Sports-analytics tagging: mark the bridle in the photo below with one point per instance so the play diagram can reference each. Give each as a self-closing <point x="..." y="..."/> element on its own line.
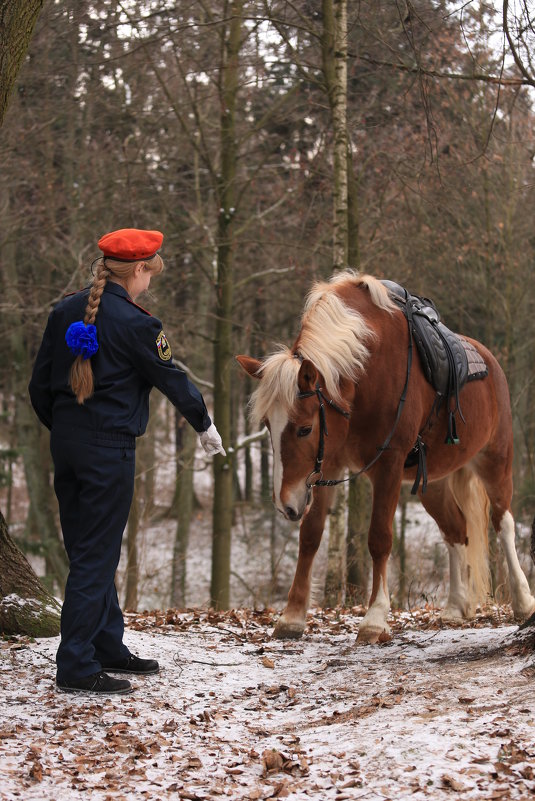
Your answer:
<point x="318" y="391"/>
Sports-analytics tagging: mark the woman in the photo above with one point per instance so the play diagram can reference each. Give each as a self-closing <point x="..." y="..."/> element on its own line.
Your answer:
<point x="100" y="356"/>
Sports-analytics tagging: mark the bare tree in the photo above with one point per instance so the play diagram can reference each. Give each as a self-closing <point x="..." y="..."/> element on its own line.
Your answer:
<point x="25" y="606"/>
<point x="334" y="51"/>
<point x="519" y="29"/>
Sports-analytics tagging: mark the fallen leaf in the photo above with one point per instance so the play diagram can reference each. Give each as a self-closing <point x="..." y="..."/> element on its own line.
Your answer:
<point x="452" y="783"/>
<point x="36" y="771"/>
<point x="272" y="760"/>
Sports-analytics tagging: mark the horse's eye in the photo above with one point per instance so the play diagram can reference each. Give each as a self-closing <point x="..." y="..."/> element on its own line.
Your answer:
<point x="304" y="431"/>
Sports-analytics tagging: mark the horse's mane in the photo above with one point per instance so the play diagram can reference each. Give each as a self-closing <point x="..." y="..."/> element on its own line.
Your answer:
<point x="333" y="337"/>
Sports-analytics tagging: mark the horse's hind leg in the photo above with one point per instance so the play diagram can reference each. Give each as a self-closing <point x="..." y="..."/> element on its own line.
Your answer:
<point x="459" y="505"/>
<point x="496" y="475"/>
<point x="292" y="622"/>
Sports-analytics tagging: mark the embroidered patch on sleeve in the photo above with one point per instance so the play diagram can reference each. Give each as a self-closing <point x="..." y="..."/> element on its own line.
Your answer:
<point x="164" y="348"/>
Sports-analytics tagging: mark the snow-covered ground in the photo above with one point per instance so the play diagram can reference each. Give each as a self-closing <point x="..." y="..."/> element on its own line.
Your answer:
<point x="436" y="713"/>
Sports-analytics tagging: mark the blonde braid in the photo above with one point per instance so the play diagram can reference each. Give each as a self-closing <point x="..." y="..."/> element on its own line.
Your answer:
<point x="81" y="375"/>
<point x="95" y="294"/>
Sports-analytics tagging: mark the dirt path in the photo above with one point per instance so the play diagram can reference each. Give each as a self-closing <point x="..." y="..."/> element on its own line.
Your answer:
<point x="436" y="713"/>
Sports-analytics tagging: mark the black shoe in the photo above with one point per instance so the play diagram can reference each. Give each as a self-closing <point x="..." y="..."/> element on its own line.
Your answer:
<point x="133" y="664"/>
<point x="96" y="683"/>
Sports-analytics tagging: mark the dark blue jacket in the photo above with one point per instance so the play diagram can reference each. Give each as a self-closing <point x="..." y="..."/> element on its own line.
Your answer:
<point x="133" y="357"/>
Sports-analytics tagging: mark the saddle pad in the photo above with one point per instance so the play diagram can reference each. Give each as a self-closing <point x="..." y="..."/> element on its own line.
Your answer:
<point x="477" y="367"/>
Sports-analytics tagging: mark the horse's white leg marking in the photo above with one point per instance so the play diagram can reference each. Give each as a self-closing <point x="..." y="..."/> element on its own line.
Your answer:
<point x="277" y="423"/>
<point x="521" y="598"/>
<point x="295" y="497"/>
<point x="374" y="621"/>
<point x="458" y="603"/>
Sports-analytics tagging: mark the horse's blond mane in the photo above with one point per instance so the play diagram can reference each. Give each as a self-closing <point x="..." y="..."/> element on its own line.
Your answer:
<point x="333" y="337"/>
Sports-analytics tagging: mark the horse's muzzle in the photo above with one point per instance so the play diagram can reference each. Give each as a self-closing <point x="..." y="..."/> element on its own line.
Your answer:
<point x="295" y="513"/>
<point x="292" y="514"/>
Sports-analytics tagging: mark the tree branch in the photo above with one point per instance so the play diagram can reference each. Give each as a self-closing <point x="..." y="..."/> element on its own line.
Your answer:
<point x="529" y="79"/>
<point x="457" y="76"/>
<point x="249" y="439"/>
<point x="261" y="274"/>
<point x="192" y="375"/>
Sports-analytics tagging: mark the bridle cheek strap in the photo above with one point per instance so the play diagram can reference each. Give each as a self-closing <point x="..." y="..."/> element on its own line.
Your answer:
<point x="318" y="391"/>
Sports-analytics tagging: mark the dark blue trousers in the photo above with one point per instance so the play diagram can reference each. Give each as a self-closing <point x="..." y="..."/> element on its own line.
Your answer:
<point x="94" y="486"/>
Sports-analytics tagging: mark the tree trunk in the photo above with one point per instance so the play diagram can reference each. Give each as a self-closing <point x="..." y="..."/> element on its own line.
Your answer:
<point x="142" y="505"/>
<point x="132" y="565"/>
<point x="25" y="605"/>
<point x="186" y="444"/>
<point x="335" y="580"/>
<point x="34" y="446"/>
<point x="335" y="68"/>
<point x="247" y="457"/>
<point x="33" y="439"/>
<point x="401" y="551"/>
<point x="359" y="494"/>
<point x="17" y="21"/>
<point x="334" y="51"/>
<point x="358" y="557"/>
<point x="265" y="475"/>
<point x="223" y="351"/>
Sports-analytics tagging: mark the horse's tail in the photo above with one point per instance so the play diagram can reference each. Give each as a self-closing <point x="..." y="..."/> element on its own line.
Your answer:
<point x="472" y="499"/>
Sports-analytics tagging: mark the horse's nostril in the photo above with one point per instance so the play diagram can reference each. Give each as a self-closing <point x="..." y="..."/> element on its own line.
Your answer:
<point x="291" y="513"/>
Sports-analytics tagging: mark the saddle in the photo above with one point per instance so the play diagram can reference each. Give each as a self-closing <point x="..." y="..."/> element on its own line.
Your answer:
<point x="448" y="361"/>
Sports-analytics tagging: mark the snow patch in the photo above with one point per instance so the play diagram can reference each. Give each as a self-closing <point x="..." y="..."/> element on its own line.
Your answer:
<point x="235" y="714"/>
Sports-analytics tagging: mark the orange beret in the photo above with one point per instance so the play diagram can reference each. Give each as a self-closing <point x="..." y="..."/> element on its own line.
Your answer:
<point x="130" y="244"/>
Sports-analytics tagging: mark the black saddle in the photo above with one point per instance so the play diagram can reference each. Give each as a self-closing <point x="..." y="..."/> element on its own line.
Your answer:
<point x="442" y="354"/>
<point x="448" y="362"/>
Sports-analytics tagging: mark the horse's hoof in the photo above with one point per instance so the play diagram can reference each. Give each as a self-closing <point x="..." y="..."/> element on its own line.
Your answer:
<point x="371" y="635"/>
<point x="288" y="631"/>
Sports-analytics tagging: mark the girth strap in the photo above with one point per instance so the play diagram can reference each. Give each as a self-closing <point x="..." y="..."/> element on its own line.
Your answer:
<point x="421" y="472"/>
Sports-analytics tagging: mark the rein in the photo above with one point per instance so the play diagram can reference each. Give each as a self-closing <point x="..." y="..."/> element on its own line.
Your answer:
<point x="318" y="391"/>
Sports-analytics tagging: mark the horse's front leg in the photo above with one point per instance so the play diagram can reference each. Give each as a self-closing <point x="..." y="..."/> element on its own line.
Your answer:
<point x="386" y="487"/>
<point x="292" y="622"/>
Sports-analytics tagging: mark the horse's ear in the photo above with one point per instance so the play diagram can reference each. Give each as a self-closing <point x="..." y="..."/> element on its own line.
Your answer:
<point x="250" y="365"/>
<point x="307" y="377"/>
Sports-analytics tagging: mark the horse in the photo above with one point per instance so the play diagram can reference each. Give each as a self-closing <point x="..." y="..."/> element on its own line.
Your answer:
<point x="344" y="397"/>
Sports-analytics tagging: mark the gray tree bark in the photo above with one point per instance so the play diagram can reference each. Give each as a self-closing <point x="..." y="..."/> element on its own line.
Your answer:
<point x="334" y="51"/>
<point x="17" y="22"/>
<point x="186" y="444"/>
<point x="223" y="351"/>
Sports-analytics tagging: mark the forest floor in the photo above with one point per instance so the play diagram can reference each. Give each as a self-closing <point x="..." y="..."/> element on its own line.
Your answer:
<point x="438" y="712"/>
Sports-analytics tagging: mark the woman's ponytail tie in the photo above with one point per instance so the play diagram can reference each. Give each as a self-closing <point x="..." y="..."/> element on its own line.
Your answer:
<point x="82" y="339"/>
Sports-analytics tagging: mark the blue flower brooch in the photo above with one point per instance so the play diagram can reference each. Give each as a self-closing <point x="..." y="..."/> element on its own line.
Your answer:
<point x="82" y="339"/>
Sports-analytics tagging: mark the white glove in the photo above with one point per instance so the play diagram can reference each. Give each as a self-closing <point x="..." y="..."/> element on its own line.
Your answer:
<point x="211" y="441"/>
